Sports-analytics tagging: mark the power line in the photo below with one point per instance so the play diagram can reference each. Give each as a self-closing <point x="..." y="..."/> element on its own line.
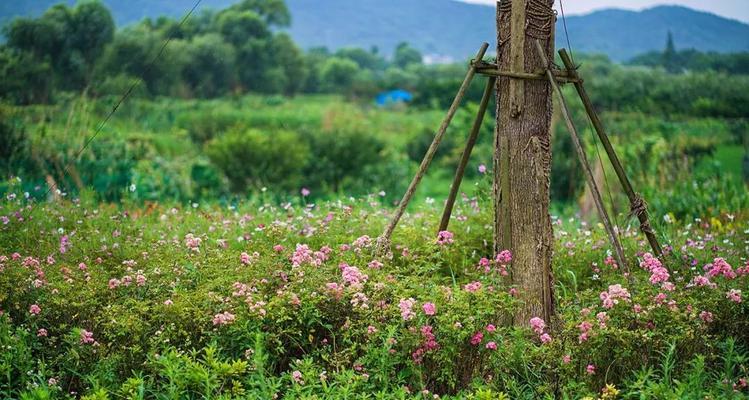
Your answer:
<point x="566" y="33"/>
<point x="117" y="105"/>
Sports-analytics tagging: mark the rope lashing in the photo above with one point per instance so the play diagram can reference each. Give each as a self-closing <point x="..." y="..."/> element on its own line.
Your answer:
<point x="640" y="208"/>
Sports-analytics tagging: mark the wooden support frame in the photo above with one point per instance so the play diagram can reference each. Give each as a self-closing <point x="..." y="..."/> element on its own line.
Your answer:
<point x="555" y="77"/>
<point x="472" y="137"/>
<point x="613" y="237"/>
<point x="637" y="204"/>
<point x="384" y="239"/>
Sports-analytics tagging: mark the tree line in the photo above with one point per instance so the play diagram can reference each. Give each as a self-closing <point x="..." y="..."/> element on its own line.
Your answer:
<point x="240" y="49"/>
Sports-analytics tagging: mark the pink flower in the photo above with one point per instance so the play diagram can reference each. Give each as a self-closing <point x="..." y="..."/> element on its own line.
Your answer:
<point x="734" y="295"/>
<point x="82" y="266"/>
<point x="504" y="257"/>
<point x="41" y="332"/>
<point x="297" y="375"/>
<point x="335" y="290"/>
<point x="224" y="318"/>
<point x="429" y="308"/>
<point x="566" y="359"/>
<point x="473" y="287"/>
<point x="352" y="276"/>
<point x="244" y="258"/>
<point x="491" y="346"/>
<point x="706" y="316"/>
<point x="371" y="330"/>
<point x="35" y="309"/>
<point x="585" y="328"/>
<point x="362" y="242"/>
<point x="192" y="242"/>
<point x="405" y="306"/>
<point x="538" y="325"/>
<point x="374" y="264"/>
<point x="658" y="273"/>
<point x="482" y="169"/>
<point x="491" y="328"/>
<point x="545" y="338"/>
<point x="278" y="248"/>
<point x="444" y="238"/>
<point x="114" y="283"/>
<point x="168" y="302"/>
<point x="64" y="244"/>
<point x="86" y="337"/>
<point x="140" y="279"/>
<point x="719" y="266"/>
<point x="701" y="281"/>
<point x="484" y="265"/>
<point x="613" y="295"/>
<point x="305" y="192"/>
<point x="477" y="338"/>
<point x="590" y="369"/>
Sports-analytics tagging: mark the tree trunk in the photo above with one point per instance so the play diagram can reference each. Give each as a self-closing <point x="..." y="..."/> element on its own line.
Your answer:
<point x="523" y="146"/>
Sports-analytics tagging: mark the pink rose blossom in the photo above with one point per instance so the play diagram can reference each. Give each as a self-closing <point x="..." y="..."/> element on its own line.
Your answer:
<point x="35" y="309"/>
<point x="429" y="308"/>
<point x="491" y="346"/>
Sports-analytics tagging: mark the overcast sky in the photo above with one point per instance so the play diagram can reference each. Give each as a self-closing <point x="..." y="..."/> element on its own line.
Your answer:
<point x="736" y="9"/>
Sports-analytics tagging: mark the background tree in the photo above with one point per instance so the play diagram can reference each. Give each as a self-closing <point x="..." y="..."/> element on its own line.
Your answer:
<point x="338" y="73"/>
<point x="670" y="58"/>
<point x="406" y="55"/>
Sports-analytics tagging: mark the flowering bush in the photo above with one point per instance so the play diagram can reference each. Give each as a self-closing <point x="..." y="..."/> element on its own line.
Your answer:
<point x="258" y="301"/>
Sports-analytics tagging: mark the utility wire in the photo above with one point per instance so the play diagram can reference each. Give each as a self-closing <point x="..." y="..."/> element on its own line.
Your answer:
<point x="566" y="33"/>
<point x="117" y="105"/>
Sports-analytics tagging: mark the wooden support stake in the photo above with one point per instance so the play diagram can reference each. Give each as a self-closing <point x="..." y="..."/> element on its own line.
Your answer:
<point x="490" y="83"/>
<point x="491" y="70"/>
<point x="637" y="204"/>
<point x="384" y="239"/>
<point x="618" y="250"/>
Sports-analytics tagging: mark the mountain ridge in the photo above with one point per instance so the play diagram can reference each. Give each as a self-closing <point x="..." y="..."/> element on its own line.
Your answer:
<point x="448" y="29"/>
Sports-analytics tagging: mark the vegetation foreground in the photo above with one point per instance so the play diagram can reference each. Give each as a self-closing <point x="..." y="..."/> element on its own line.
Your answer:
<point x="260" y="301"/>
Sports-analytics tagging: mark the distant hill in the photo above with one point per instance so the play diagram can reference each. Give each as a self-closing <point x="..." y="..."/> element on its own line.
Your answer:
<point x="451" y="29"/>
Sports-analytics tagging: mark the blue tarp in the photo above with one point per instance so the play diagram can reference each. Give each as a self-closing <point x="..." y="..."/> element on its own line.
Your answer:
<point x="393" y="97"/>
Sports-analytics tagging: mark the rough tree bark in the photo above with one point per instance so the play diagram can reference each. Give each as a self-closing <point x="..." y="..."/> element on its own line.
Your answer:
<point x="522" y="158"/>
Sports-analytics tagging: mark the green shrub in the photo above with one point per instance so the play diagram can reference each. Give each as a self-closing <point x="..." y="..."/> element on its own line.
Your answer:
<point x="204" y="125"/>
<point x="254" y="159"/>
